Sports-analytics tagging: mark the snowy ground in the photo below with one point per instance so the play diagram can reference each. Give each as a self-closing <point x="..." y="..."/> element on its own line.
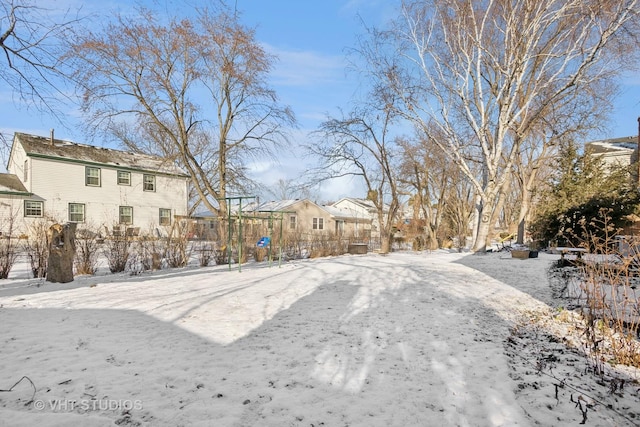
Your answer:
<point x="408" y="339"/>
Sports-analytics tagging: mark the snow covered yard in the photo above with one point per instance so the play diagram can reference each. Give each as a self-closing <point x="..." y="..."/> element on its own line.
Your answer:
<point x="408" y="339"/>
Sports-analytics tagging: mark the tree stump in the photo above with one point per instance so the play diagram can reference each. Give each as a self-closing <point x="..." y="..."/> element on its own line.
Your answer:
<point x="62" y="251"/>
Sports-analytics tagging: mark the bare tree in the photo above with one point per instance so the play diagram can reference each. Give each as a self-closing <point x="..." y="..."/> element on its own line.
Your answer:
<point x="433" y="181"/>
<point x="195" y="88"/>
<point x="479" y="78"/>
<point x="9" y="247"/>
<point x="360" y="145"/>
<point x="286" y="189"/>
<point x="32" y="44"/>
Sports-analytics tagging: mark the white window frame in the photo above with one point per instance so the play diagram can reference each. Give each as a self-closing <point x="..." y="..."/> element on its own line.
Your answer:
<point x="167" y="218"/>
<point x="72" y="213"/>
<point x="293" y="222"/>
<point x="88" y="176"/>
<point x="124" y="173"/>
<point x="318" y="223"/>
<point x="122" y="215"/>
<point x="29" y="210"/>
<point x="151" y="185"/>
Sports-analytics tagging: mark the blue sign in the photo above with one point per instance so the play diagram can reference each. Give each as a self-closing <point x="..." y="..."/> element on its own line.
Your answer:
<point x="264" y="241"/>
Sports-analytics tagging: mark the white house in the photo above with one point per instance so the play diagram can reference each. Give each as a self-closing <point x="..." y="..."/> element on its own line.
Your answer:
<point x="615" y="152"/>
<point x="101" y="188"/>
<point x="361" y="209"/>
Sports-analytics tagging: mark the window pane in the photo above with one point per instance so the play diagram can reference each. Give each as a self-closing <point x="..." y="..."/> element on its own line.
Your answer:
<point x="318" y="223"/>
<point x="126" y="215"/>
<point x="33" y="208"/>
<point x="76" y="212"/>
<point x="149" y="182"/>
<point x="92" y="176"/>
<point x="124" y="178"/>
<point x="165" y="216"/>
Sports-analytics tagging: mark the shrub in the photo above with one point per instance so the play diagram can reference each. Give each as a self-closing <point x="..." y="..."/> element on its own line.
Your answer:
<point x="37" y="247"/>
<point x="87" y="248"/>
<point x="177" y="251"/>
<point x="205" y="253"/>
<point x="116" y="250"/>
<point x="8" y="247"/>
<point x="611" y="309"/>
<point x="8" y="256"/>
<point x="580" y="224"/>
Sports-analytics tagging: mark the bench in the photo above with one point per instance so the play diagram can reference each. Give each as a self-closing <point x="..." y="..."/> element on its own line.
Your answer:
<point x="570" y="251"/>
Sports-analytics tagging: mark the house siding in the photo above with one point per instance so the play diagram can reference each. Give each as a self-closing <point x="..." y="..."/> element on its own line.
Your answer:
<point x="16" y="165"/>
<point x="369" y="223"/>
<point x="12" y="219"/>
<point x="58" y="182"/>
<point x="305" y="211"/>
<point x="65" y="183"/>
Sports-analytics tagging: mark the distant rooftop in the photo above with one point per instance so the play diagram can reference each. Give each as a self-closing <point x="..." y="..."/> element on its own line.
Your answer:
<point x="625" y="143"/>
<point x="39" y="146"/>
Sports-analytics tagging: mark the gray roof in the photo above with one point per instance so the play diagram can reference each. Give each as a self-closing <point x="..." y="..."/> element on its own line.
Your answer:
<point x="10" y="183"/>
<point x="623" y="144"/>
<point x="39" y="146"/>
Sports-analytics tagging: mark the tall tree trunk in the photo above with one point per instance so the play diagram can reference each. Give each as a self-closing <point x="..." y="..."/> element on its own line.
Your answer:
<point x="523" y="215"/>
<point x="484" y="226"/>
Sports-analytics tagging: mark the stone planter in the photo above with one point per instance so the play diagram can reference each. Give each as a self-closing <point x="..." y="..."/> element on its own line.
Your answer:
<point x="520" y="254"/>
<point x="358" y="248"/>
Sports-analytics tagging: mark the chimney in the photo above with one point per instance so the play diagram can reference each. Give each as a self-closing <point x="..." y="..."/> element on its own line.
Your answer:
<point x="52" y="137"/>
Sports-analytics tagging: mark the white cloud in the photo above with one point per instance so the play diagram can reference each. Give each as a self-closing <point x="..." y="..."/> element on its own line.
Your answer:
<point x="305" y="68"/>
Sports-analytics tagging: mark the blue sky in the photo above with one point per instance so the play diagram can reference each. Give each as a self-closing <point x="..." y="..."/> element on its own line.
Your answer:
<point x="309" y="37"/>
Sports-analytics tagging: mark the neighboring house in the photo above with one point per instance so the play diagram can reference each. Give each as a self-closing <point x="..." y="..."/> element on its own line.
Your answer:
<point x="361" y="209"/>
<point x="106" y="190"/>
<point x="12" y="196"/>
<point x="307" y="217"/>
<point x="616" y="152"/>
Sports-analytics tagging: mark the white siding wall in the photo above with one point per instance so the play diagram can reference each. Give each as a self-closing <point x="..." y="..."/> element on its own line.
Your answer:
<point x="61" y="183"/>
<point x="361" y="212"/>
<point x="616" y="160"/>
<point x="16" y="164"/>
<point x="11" y="215"/>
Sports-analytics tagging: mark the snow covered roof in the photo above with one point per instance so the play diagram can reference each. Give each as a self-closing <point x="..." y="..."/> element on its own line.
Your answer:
<point x="337" y="213"/>
<point x="38" y="146"/>
<point x="364" y="203"/>
<point x="272" y="206"/>
<point x="623" y="144"/>
<point x="10" y="183"/>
